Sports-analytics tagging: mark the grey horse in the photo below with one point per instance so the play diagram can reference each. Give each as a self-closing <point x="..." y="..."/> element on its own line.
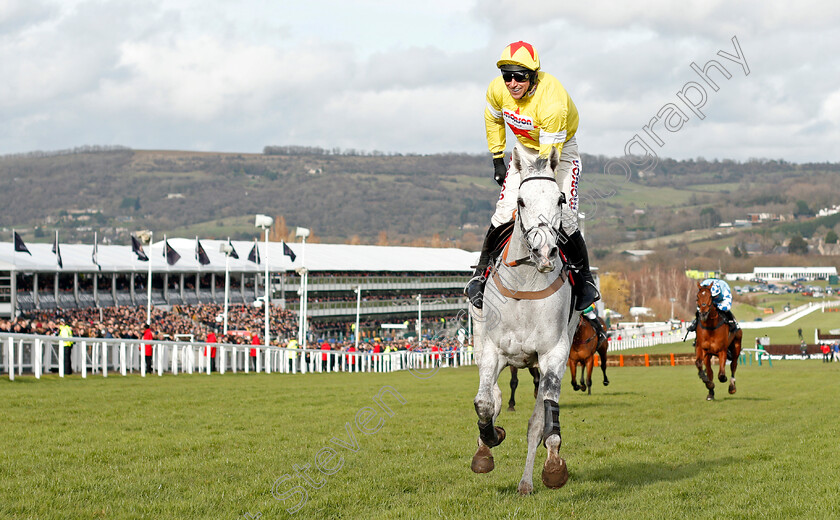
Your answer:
<point x="527" y="320"/>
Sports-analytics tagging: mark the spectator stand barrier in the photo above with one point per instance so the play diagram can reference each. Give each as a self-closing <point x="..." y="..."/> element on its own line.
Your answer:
<point x="41" y="354"/>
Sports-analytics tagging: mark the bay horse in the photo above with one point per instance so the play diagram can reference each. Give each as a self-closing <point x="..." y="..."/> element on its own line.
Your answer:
<point x="584" y="347"/>
<point x="527" y="320"/>
<point x="713" y="338"/>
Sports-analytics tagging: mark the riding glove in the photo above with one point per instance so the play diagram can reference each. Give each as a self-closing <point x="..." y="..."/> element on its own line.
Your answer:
<point x="500" y="170"/>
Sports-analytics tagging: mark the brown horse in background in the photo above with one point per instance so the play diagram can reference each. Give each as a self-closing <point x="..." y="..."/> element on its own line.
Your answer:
<point x="714" y="339"/>
<point x="584" y="345"/>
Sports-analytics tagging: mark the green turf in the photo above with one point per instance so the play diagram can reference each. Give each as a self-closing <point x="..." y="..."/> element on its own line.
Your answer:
<point x="197" y="446"/>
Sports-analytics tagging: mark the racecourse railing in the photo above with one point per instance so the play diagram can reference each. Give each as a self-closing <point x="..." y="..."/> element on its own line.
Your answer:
<point x="37" y="355"/>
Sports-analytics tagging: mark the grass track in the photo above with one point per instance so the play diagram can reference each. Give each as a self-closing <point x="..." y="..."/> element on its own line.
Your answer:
<point x="647" y="446"/>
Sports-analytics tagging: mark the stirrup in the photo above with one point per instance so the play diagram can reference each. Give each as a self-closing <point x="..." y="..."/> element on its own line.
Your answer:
<point x="475" y="291"/>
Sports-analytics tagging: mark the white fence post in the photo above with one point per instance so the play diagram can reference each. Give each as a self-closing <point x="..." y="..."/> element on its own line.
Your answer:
<point x="84" y="359"/>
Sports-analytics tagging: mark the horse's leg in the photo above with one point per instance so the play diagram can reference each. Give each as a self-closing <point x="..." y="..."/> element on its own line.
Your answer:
<point x="488" y="404"/>
<point x="573" y="374"/>
<point x="583" y="376"/>
<point x="534" y="435"/>
<point x="734" y="363"/>
<point x="554" y="474"/>
<point x="514" y="382"/>
<point x="698" y="362"/>
<point x="535" y="373"/>
<point x="710" y="382"/>
<point x="602" y="353"/>
<point x="722" y="363"/>
<point x="590" y="364"/>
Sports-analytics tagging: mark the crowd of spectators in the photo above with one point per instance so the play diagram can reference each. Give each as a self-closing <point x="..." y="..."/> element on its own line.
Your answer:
<point x="196" y="322"/>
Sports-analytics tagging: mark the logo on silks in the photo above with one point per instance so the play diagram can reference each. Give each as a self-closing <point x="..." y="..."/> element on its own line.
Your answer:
<point x="519" y="124"/>
<point x="573" y="191"/>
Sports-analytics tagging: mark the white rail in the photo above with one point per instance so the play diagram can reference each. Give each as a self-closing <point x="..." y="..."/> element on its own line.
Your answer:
<point x="40" y="354"/>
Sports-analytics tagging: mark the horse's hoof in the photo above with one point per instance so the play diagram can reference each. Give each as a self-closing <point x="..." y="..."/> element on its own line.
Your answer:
<point x="710" y="397"/>
<point x="722" y="378"/>
<point x="482" y="461"/>
<point x="606" y="383"/>
<point x="555" y="474"/>
<point x="732" y="389"/>
<point x="511" y="409"/>
<point x="525" y="488"/>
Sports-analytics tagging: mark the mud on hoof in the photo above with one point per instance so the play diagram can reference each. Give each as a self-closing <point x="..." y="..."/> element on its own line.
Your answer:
<point x="511" y="408"/>
<point x="555" y="474"/>
<point x="482" y="461"/>
<point x="732" y="388"/>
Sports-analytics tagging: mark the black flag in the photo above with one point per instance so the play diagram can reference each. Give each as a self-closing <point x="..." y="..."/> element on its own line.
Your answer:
<point x="288" y="252"/>
<point x="170" y="254"/>
<point x="20" y="247"/>
<point x="233" y="253"/>
<point x="138" y="249"/>
<point x="254" y="256"/>
<point x="57" y="251"/>
<point x="200" y="253"/>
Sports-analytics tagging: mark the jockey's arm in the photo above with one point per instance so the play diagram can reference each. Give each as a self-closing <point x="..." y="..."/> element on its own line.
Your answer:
<point x="495" y="127"/>
<point x="552" y="123"/>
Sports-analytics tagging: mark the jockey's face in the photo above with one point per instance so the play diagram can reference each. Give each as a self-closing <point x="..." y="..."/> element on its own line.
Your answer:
<point x="516" y="88"/>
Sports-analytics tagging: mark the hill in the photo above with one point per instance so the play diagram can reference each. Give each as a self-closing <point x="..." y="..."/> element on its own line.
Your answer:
<point x="443" y="199"/>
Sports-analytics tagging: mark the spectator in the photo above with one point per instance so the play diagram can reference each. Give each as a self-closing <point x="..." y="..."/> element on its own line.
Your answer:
<point x="64" y="331"/>
<point x="149" y="348"/>
<point x="325" y="356"/>
<point x="211" y="340"/>
<point x="291" y="355"/>
<point x="255" y="340"/>
<point x="826" y="352"/>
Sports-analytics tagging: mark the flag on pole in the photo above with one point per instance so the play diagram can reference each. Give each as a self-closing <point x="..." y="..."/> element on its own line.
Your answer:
<point x="169" y="253"/>
<point x="138" y="249"/>
<point x="20" y="247"/>
<point x="94" y="256"/>
<point x="288" y="252"/>
<point x="200" y="253"/>
<point x="233" y="253"/>
<point x="57" y="251"/>
<point x="254" y="255"/>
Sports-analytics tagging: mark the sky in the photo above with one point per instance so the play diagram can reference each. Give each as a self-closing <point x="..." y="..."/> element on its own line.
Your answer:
<point x="410" y="77"/>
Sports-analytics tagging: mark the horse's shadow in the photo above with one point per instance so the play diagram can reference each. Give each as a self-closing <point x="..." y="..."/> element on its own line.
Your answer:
<point x="618" y="479"/>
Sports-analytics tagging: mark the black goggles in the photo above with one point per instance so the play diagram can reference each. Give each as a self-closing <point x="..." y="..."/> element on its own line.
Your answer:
<point x="520" y="77"/>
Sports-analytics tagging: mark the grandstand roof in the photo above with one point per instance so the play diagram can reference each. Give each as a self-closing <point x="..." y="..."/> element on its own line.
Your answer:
<point x="319" y="257"/>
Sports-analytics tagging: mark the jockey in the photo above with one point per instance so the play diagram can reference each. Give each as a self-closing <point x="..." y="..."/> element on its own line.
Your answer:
<point x="591" y="314"/>
<point x="722" y="298"/>
<point x="541" y="115"/>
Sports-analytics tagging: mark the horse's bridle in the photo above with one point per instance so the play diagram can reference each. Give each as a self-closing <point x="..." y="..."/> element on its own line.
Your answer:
<point x="543" y="224"/>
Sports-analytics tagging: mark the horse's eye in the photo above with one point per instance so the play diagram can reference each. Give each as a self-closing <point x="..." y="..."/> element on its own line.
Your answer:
<point x="521" y="203"/>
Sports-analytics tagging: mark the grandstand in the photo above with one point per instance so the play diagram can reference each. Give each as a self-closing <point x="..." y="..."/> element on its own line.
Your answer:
<point x="390" y="278"/>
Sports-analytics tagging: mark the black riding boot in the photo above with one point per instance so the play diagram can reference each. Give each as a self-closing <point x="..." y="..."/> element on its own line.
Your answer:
<point x="693" y="326"/>
<point x="599" y="330"/>
<point x="730" y="319"/>
<point x="475" y="287"/>
<point x="577" y="258"/>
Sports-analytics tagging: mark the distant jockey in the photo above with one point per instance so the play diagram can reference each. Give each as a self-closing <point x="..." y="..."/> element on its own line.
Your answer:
<point x="591" y="314"/>
<point x="722" y="298"/>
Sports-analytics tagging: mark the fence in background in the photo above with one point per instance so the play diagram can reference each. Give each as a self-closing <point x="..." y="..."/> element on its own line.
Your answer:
<point x="35" y="354"/>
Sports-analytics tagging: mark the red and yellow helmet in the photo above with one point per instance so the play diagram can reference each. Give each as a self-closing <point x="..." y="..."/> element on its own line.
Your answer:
<point x="520" y="54"/>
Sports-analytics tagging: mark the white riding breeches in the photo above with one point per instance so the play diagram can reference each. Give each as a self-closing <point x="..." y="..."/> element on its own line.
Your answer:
<point x="568" y="177"/>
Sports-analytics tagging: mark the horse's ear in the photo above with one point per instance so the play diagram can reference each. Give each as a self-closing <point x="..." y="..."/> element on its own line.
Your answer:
<point x="516" y="159"/>
<point x="553" y="159"/>
<point x="698" y="284"/>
